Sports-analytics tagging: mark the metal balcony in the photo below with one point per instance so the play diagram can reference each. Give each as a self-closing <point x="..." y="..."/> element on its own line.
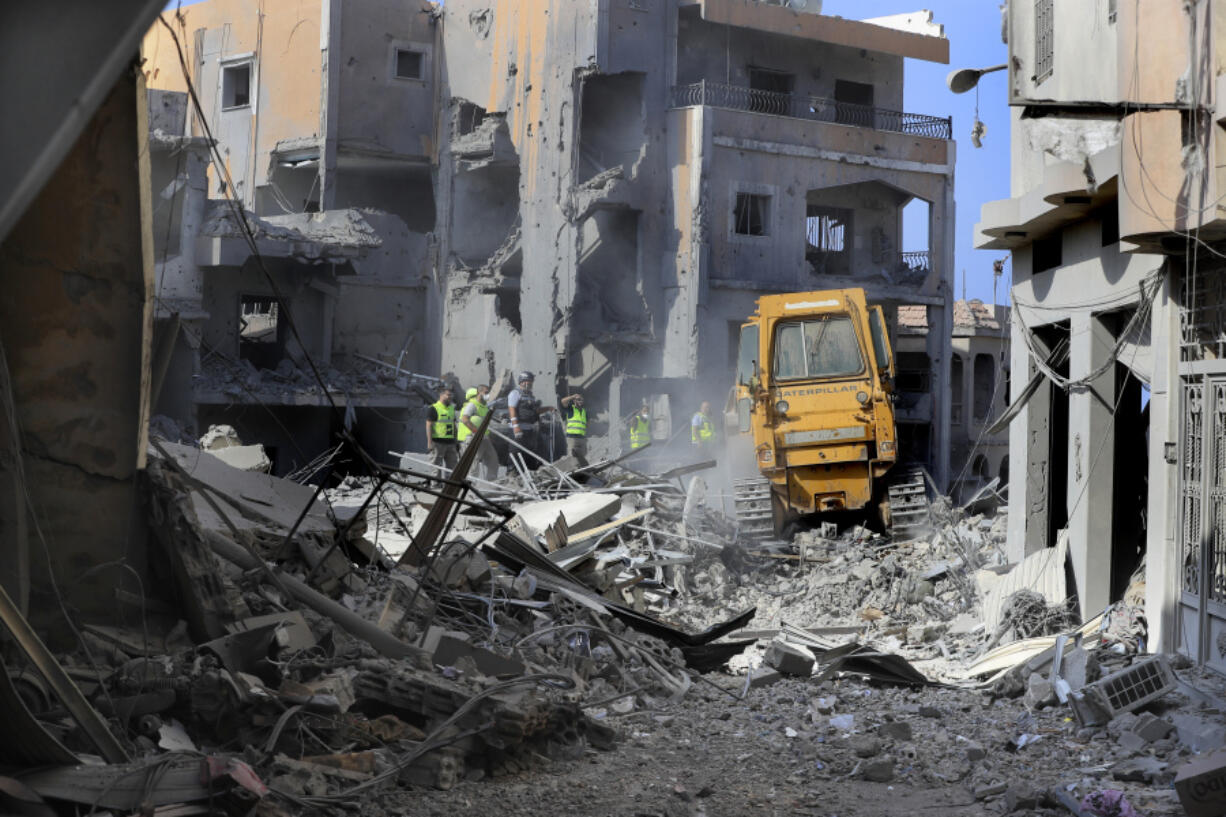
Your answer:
<point x="797" y="106"/>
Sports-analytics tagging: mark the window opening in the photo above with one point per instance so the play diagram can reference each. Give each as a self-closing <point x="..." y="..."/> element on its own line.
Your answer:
<point x="409" y="64"/>
<point x="955" y="388"/>
<point x="236" y="86"/>
<point x="751" y="214"/>
<point x="828" y="239"/>
<point x="853" y="103"/>
<point x="985" y="385"/>
<point x="261" y="336"/>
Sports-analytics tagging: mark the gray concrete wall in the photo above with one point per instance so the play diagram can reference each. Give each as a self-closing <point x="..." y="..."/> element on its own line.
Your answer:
<point x="378" y="110"/>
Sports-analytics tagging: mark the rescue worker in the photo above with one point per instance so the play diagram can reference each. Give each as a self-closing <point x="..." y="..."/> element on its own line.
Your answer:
<point x="474" y="410"/>
<point x="640" y="428"/>
<point x="441" y="431"/>
<point x="525" y="411"/>
<point x="576" y="426"/>
<point x="702" y="432"/>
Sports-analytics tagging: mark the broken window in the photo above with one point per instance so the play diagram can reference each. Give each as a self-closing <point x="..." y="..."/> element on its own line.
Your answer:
<point x="261" y="334"/>
<point x="236" y="86"/>
<point x="410" y="64"/>
<point x="1044" y="39"/>
<point x="955" y="390"/>
<point x="985" y="385"/>
<point x="825" y="347"/>
<point x="828" y="239"/>
<point x="751" y="214"/>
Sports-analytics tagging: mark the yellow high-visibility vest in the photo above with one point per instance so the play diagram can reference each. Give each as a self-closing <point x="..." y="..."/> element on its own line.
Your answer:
<point x="640" y="432"/>
<point x="480" y="410"/>
<point x="443" y="427"/>
<point x="576" y="423"/>
<point x="702" y="433"/>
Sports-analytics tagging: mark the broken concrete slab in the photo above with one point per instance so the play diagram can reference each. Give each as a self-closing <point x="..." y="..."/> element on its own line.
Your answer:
<point x="1201" y="786"/>
<point x="581" y="511"/>
<point x="1151" y="728"/>
<point x="259" y="501"/>
<point x="764" y="676"/>
<point x="1039" y="692"/>
<point x="244" y="457"/>
<point x="790" y="659"/>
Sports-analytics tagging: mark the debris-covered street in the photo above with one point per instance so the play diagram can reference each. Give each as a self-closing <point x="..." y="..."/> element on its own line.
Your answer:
<point x="598" y="640"/>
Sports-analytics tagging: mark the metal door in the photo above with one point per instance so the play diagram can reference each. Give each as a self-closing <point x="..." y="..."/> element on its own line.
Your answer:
<point x="1202" y="515"/>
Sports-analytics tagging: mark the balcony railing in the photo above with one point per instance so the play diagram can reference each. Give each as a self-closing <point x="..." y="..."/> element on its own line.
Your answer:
<point x="917" y="261"/>
<point x="798" y="106"/>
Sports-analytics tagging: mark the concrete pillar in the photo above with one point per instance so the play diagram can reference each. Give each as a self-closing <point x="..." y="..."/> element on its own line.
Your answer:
<point x="1163" y="569"/>
<point x="1028" y="452"/>
<point x="939" y="339"/>
<point x="329" y="107"/>
<point x="1091" y="461"/>
<point x="75" y="327"/>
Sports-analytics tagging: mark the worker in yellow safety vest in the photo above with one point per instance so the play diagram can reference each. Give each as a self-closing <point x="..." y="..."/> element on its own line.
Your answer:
<point x="576" y="426"/>
<point x="474" y="411"/>
<point x="702" y="432"/>
<point x="640" y="428"/>
<point x="441" y="431"/>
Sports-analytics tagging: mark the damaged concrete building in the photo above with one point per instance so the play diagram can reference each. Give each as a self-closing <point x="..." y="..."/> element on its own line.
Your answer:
<point x="322" y="116"/>
<point x="1119" y="311"/>
<point x="594" y="193"/>
<point x="622" y="180"/>
<point x="978" y="389"/>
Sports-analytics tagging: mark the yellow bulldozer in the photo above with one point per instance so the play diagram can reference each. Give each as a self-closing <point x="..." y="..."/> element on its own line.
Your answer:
<point x="814" y="399"/>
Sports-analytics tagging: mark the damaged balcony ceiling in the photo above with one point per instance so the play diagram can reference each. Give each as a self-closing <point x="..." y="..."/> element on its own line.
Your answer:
<point x="311" y="238"/>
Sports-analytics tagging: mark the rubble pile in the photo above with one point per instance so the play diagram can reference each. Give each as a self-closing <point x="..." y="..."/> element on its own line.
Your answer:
<point x="309" y="647"/>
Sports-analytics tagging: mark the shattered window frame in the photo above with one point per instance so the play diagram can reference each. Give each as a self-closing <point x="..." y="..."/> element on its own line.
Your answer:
<point x="751" y="214"/>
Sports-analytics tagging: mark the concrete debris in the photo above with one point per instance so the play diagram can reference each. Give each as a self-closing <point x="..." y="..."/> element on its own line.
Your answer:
<point x="1201" y="785"/>
<point x="789" y="659"/>
<point x="562" y="610"/>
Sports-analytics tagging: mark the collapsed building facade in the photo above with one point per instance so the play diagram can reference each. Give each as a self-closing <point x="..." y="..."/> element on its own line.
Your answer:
<point x="594" y="194"/>
<point x="322" y="117"/>
<point x="1118" y="330"/>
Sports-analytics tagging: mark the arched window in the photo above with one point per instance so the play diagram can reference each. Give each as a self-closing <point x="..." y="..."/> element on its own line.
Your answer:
<point x="985" y="383"/>
<point x="955" y="389"/>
